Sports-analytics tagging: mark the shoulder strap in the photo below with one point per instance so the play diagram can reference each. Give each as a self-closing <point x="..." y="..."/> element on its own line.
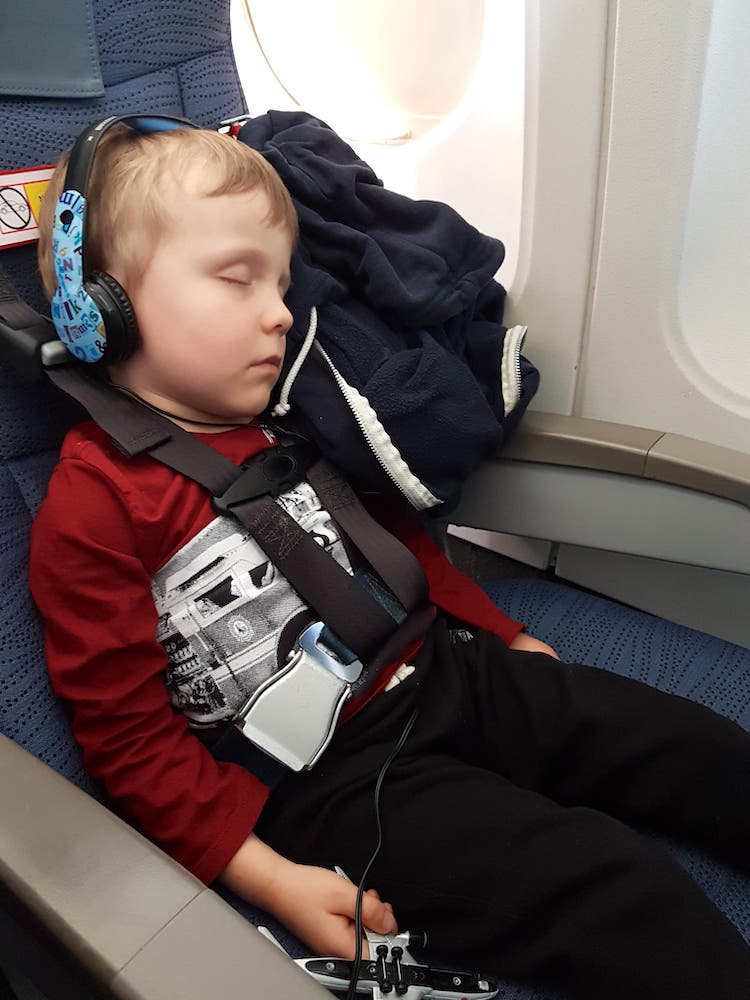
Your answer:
<point x="383" y="551"/>
<point x="357" y="618"/>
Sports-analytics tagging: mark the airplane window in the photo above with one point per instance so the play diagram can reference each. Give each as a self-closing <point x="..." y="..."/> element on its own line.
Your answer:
<point x="378" y="72"/>
<point x="714" y="291"/>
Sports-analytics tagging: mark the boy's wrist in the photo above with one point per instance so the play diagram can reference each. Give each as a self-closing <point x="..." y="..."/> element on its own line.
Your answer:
<point x="258" y="873"/>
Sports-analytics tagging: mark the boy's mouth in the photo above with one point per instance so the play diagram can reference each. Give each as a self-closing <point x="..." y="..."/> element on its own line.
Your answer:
<point x="273" y="361"/>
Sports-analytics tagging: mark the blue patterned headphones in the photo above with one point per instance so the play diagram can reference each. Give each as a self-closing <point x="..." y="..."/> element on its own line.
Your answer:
<point x="92" y="313"/>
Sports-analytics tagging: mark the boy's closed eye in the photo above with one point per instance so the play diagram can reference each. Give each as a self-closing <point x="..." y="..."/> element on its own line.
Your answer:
<point x="233" y="280"/>
<point x="235" y="272"/>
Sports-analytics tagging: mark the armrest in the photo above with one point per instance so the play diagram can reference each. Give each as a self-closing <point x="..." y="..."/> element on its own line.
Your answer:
<point x="138" y="924"/>
<point x="672" y="459"/>
<point x="614" y="488"/>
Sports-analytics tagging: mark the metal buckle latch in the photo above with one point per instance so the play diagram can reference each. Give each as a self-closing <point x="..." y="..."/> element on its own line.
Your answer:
<point x="292" y="716"/>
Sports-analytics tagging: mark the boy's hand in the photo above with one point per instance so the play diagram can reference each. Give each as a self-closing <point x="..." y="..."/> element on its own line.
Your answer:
<point x="531" y="645"/>
<point x="318" y="906"/>
<point x="314" y="903"/>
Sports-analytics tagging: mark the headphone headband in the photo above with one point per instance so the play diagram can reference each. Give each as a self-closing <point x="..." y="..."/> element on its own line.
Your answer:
<point x="91" y="312"/>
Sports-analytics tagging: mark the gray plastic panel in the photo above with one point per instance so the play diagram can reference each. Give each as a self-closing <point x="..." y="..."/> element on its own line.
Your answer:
<point x="134" y="920"/>
<point x="607" y="511"/>
<point x="93" y="882"/>
<point x="635" y="451"/>
<point x="705" y="599"/>
<point x="700" y="466"/>
<point x="233" y="961"/>
<point x="589" y="444"/>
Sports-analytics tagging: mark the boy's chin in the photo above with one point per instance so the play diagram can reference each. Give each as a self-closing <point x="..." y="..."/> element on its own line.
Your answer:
<point x="243" y="410"/>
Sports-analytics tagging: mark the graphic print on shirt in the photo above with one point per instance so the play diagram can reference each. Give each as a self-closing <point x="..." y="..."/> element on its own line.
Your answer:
<point x="227" y="617"/>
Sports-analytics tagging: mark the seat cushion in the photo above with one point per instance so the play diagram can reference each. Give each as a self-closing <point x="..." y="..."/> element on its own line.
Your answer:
<point x="29" y="713"/>
<point x="584" y="628"/>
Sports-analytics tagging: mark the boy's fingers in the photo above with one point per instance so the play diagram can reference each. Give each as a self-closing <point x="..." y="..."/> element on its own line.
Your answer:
<point x="378" y="916"/>
<point x="376" y="894"/>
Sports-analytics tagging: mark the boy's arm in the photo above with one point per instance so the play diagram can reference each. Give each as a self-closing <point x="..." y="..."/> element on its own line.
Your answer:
<point x="314" y="903"/>
<point x="450" y="589"/>
<point x="104" y="660"/>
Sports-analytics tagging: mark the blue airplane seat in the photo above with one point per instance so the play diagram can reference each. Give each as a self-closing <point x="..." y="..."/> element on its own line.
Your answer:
<point x="164" y="56"/>
<point x="174" y="56"/>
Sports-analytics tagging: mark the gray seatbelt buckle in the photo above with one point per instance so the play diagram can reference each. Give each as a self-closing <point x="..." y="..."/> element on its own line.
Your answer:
<point x="292" y="716"/>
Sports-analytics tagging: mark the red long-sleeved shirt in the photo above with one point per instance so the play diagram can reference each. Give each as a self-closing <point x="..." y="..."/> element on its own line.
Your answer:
<point x="108" y="524"/>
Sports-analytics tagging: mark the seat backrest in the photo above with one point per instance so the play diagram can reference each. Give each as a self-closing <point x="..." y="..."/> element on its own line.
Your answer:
<point x="169" y="57"/>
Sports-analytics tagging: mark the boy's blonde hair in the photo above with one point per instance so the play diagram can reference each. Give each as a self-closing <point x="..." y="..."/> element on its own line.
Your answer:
<point x="129" y="204"/>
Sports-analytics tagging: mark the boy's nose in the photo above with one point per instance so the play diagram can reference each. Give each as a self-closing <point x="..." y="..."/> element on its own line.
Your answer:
<point x="278" y="317"/>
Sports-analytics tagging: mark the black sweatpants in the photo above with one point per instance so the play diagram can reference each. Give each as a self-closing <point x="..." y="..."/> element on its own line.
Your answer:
<point x="500" y="836"/>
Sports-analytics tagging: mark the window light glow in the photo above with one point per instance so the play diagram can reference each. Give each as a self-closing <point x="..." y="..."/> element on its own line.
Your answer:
<point x="377" y="72"/>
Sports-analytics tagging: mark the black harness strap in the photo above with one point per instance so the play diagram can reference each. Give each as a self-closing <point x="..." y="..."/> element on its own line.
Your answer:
<point x="357" y="618"/>
<point x="385" y="553"/>
<point x="135" y="429"/>
<point x="360" y="621"/>
<point x="23" y="332"/>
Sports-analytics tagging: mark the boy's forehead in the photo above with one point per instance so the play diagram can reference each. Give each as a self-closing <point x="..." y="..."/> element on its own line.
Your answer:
<point x="198" y="204"/>
<point x="190" y="183"/>
<point x="227" y="226"/>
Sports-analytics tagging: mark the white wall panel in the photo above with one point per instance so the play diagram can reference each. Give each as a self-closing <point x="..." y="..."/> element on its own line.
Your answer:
<point x="566" y="46"/>
<point x="667" y="345"/>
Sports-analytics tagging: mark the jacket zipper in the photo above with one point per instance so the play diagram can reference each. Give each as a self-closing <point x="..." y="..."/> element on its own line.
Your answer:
<point x="510" y="368"/>
<point x="380" y="443"/>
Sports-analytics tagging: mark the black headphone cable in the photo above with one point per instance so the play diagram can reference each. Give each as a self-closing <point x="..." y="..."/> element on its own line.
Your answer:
<point x="361" y="887"/>
<point x="176" y="416"/>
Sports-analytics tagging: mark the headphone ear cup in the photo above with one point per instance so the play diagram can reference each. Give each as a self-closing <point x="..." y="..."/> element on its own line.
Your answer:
<point x="118" y="315"/>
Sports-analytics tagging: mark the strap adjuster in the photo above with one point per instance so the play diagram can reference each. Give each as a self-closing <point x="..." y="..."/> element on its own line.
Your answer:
<point x="272" y="472"/>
